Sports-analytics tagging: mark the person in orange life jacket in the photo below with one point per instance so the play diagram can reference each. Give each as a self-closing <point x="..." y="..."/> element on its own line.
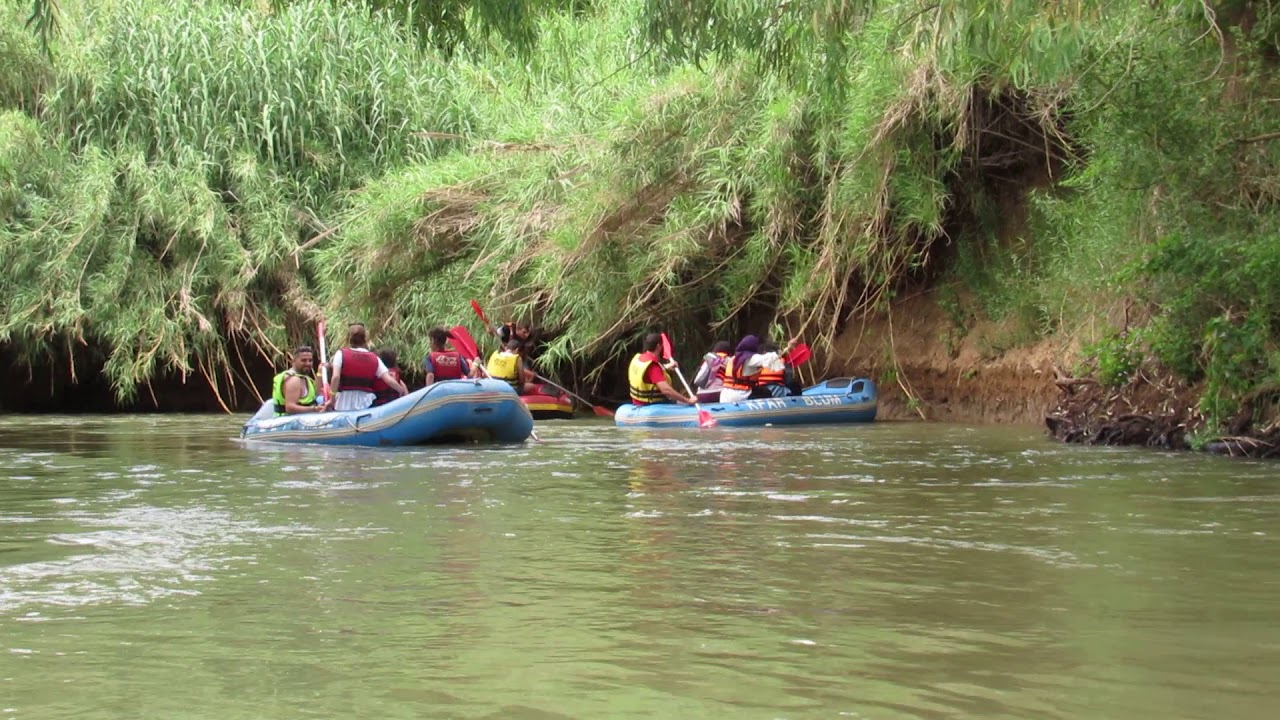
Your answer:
<point x="710" y="376"/>
<point x="647" y="377"/>
<point x="443" y="364"/>
<point x="741" y="372"/>
<point x="355" y="368"/>
<point x="771" y="381"/>
<point x="383" y="393"/>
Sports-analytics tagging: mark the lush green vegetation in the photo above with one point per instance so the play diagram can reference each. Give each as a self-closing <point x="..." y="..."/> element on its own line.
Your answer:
<point x="183" y="184"/>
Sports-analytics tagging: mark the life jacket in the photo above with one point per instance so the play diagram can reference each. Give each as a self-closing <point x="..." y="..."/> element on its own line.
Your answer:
<point x="715" y="379"/>
<point x="642" y="391"/>
<point x="733" y="377"/>
<point x="359" y="370"/>
<point x="771" y="377"/>
<point x="382" y="392"/>
<point x="277" y="390"/>
<point x="724" y="357"/>
<point x="447" y="365"/>
<point x="504" y="366"/>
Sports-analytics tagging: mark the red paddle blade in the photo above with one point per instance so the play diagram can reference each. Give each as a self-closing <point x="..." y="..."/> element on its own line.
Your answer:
<point x="666" y="347"/>
<point x="479" y="313"/>
<point x="602" y="411"/>
<point x="800" y="355"/>
<point x="463" y="343"/>
<point x="705" y="420"/>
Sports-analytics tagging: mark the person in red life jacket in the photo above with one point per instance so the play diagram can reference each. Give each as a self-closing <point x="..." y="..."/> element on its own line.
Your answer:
<point x="355" y="369"/>
<point x="442" y="363"/>
<point x="647" y="376"/>
<point x="710" y="376"/>
<point x="383" y="393"/>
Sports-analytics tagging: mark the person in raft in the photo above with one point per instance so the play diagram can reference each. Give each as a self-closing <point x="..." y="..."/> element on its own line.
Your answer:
<point x="294" y="390"/>
<point x="355" y="369"/>
<point x="383" y="393"/>
<point x="771" y="381"/>
<point x="647" y="376"/>
<point x="522" y="331"/>
<point x="507" y="364"/>
<point x="442" y="363"/>
<point x="710" y="376"/>
<point x="742" y="371"/>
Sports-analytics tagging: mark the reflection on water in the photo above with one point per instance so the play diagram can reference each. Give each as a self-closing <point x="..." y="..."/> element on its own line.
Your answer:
<point x="156" y="567"/>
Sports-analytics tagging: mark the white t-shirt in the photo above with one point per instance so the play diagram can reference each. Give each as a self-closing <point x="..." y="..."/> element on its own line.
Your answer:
<point x="771" y="360"/>
<point x="349" y="400"/>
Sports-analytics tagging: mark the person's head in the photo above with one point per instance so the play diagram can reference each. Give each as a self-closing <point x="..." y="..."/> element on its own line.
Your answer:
<point x="357" y="335"/>
<point x="747" y="346"/>
<point x="513" y="346"/>
<point x="439" y="336"/>
<point x="523" y="329"/>
<point x="652" y="343"/>
<point x="768" y="346"/>
<point x="721" y="346"/>
<point x="389" y="358"/>
<point x="302" y="359"/>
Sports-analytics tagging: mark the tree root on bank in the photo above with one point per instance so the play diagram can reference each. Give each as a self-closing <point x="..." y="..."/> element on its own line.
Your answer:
<point x="1160" y="413"/>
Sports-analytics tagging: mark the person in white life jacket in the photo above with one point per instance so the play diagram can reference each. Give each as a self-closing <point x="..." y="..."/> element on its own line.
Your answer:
<point x="294" y="390"/>
<point x="355" y="369"/>
<point x="442" y="363"/>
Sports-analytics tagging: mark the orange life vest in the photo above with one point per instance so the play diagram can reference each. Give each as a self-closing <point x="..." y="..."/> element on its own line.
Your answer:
<point x="771" y="377"/>
<point x="733" y="377"/>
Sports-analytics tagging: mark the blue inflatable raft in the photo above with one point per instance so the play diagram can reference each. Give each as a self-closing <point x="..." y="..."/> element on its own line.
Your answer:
<point x="448" y="411"/>
<point x="835" y="401"/>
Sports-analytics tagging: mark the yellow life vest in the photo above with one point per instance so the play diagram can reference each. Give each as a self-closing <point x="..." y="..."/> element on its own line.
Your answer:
<point x="277" y="390"/>
<point x="643" y="392"/>
<point x="504" y="366"/>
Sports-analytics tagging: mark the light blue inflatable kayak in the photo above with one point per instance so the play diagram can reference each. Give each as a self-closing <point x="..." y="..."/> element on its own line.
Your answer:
<point x="839" y="400"/>
<point x="448" y="411"/>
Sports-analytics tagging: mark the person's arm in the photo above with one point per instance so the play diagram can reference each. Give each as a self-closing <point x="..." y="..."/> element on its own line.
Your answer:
<point x="294" y="388"/>
<point x="672" y="395"/>
<point x="703" y="377"/>
<point x="335" y="382"/>
<point x="430" y="369"/>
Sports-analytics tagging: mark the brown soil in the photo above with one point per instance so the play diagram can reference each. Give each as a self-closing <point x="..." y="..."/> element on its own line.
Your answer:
<point x="940" y="375"/>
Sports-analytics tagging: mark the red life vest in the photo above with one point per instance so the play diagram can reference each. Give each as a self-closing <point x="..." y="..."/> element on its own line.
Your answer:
<point x="733" y="377"/>
<point x="359" y="370"/>
<point x="446" y="365"/>
<point x="382" y="392"/>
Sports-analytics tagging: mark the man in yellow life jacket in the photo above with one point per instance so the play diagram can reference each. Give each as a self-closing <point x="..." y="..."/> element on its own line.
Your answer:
<point x="506" y="364"/>
<point x="647" y="376"/>
<point x="294" y="391"/>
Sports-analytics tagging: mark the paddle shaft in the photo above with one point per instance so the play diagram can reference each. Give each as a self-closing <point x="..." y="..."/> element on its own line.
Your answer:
<point x="324" y="361"/>
<point x="573" y="394"/>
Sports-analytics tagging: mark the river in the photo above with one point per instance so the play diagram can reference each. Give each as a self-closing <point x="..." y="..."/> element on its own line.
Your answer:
<point x="154" y="567"/>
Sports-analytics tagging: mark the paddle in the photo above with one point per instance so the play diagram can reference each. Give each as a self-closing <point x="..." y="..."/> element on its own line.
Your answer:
<point x="799" y="355"/>
<point x="598" y="410"/>
<point x="466" y="347"/>
<point x="324" y="361"/>
<point x="601" y="411"/>
<point x="704" y="418"/>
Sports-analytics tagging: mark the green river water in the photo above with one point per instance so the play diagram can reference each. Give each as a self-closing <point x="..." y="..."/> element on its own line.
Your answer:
<point x="154" y="567"/>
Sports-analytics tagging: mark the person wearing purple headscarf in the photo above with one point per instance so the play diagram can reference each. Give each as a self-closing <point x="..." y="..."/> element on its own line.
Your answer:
<point x="740" y="371"/>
